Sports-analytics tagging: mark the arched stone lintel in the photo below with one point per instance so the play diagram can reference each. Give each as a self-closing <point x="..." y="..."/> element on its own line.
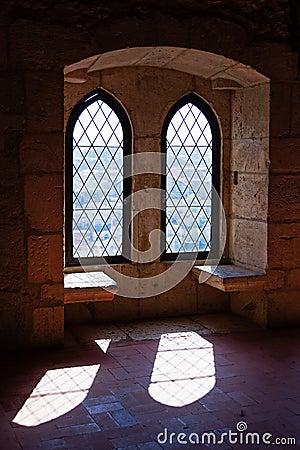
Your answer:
<point x="195" y="62"/>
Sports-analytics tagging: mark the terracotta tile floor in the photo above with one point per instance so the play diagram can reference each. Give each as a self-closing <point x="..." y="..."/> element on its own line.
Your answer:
<point x="130" y="386"/>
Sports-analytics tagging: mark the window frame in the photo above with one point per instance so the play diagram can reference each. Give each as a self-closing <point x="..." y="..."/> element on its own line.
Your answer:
<point x="118" y="109"/>
<point x="205" y="108"/>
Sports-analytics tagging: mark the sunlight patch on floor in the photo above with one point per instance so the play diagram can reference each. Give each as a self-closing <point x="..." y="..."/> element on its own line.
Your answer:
<point x="103" y="344"/>
<point x="58" y="392"/>
<point x="184" y="369"/>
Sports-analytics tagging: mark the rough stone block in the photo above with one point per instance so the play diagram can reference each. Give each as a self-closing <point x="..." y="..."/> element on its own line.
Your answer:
<point x="284" y="244"/>
<point x="12" y="98"/>
<point x="285" y="155"/>
<point x="248" y="243"/>
<point x="13" y="254"/>
<point x="11" y="205"/>
<point x="208" y="33"/>
<point x="48" y="327"/>
<point x="121" y="309"/>
<point x="250" y="155"/>
<point x="51" y="46"/>
<point x="249" y="196"/>
<point x="122" y="82"/>
<point x="280" y="109"/>
<point x="52" y="295"/>
<point x="131" y="33"/>
<point x="44" y="202"/>
<point x="3" y="48"/>
<point x="284" y="197"/>
<point x="274" y="60"/>
<point x="44" y="98"/>
<point x="293" y="279"/>
<point x="276" y="278"/>
<point x="11" y="126"/>
<point x="251" y="305"/>
<point x="74" y="94"/>
<point x="45" y="259"/>
<point x="82" y="313"/>
<point x="250" y="112"/>
<point x="295" y="110"/>
<point x="219" y="101"/>
<point x="171" y="31"/>
<point x="42" y="152"/>
<point x="283" y="308"/>
<point x="211" y="300"/>
<point x="8" y="332"/>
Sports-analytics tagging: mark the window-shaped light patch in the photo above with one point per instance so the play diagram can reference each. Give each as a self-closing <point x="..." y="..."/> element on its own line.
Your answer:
<point x="58" y="392"/>
<point x="189" y="181"/>
<point x="184" y="369"/>
<point x="97" y="182"/>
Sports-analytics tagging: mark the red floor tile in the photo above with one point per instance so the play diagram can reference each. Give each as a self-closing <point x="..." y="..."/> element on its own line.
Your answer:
<point x="257" y="381"/>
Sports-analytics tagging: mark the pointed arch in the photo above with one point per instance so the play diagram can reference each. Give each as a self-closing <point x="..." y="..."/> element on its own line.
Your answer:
<point x="98" y="137"/>
<point x="191" y="143"/>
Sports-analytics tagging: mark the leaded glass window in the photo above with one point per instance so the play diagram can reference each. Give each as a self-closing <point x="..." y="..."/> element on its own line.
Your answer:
<point x="191" y="143"/>
<point x="98" y="137"/>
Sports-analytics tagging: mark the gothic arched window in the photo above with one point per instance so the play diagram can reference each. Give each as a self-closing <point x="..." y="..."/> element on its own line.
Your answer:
<point x="98" y="137"/>
<point x="191" y="142"/>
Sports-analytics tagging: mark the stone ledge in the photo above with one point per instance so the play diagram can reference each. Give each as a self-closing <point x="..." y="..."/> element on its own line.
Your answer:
<point x="231" y="278"/>
<point x="87" y="287"/>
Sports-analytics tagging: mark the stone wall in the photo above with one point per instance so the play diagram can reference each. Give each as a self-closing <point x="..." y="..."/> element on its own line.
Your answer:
<point x="37" y="39"/>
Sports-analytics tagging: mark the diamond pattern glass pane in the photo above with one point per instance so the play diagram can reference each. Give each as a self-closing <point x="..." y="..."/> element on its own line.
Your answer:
<point x="189" y="181"/>
<point x="97" y="182"/>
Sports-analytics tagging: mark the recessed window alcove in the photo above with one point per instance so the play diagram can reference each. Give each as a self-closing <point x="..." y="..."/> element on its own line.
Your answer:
<point x="148" y="82"/>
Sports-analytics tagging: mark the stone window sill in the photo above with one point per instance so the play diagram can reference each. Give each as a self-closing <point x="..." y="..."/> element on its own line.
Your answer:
<point x="231" y="278"/>
<point x="84" y="287"/>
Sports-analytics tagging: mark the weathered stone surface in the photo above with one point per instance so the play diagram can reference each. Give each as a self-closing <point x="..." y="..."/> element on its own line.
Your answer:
<point x="11" y="205"/>
<point x="230" y="278"/>
<point x="211" y="300"/>
<point x="52" y="295"/>
<point x="218" y="36"/>
<point x="44" y="98"/>
<point x="14" y="89"/>
<point x="285" y="155"/>
<point x="44" y="202"/>
<point x="250" y="155"/>
<point x="280" y="110"/>
<point x="295" y="110"/>
<point x="276" y="278"/>
<point x="252" y="305"/>
<point x="13" y="255"/>
<point x="45" y="259"/>
<point x="274" y="60"/>
<point x="248" y="245"/>
<point x="284" y="244"/>
<point x="220" y="103"/>
<point x="283" y="308"/>
<point x="3" y="48"/>
<point x="250" y="113"/>
<point x="51" y="47"/>
<point x="42" y="152"/>
<point x="293" y="279"/>
<point x="122" y="82"/>
<point x="284" y="199"/>
<point x="264" y="19"/>
<point x="48" y="327"/>
<point x="249" y="197"/>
